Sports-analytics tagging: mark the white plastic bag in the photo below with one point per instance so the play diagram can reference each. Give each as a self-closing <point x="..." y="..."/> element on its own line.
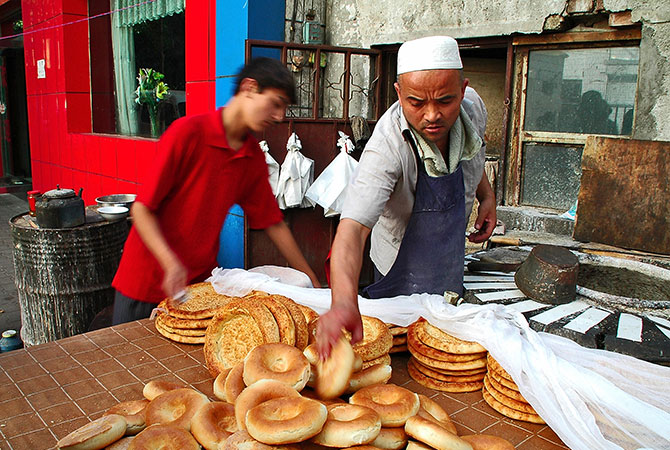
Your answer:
<point x="328" y="189"/>
<point x="295" y="176"/>
<point x="592" y="399"/>
<point x="273" y="167"/>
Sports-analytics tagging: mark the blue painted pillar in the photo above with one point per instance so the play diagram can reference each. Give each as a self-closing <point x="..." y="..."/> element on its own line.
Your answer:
<point x="236" y="21"/>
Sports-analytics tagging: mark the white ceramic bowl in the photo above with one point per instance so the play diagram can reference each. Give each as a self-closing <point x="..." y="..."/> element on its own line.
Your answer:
<point x="113" y="212"/>
<point x="116" y="200"/>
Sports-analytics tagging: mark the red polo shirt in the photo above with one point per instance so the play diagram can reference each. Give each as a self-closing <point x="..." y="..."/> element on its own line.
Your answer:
<point x="195" y="180"/>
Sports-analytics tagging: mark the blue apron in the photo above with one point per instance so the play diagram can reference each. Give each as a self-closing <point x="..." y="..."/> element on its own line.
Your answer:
<point x="432" y="251"/>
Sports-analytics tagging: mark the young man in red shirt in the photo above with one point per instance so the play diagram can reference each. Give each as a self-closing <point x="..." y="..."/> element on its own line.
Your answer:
<point x="205" y="164"/>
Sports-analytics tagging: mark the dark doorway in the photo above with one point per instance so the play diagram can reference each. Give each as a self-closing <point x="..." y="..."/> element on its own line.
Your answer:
<point x="16" y="146"/>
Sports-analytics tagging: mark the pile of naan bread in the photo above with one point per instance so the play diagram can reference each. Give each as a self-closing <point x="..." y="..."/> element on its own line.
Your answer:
<point x="272" y="389"/>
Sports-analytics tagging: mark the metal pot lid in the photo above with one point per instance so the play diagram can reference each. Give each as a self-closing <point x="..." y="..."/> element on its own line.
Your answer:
<point x="59" y="193"/>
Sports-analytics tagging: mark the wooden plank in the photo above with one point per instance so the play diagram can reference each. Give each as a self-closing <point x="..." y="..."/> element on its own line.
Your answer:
<point x="624" y="198"/>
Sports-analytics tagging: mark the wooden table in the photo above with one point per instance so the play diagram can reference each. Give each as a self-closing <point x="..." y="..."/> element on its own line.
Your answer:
<point x="49" y="390"/>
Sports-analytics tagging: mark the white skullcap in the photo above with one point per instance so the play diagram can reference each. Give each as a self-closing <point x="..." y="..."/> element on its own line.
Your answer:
<point x="429" y="53"/>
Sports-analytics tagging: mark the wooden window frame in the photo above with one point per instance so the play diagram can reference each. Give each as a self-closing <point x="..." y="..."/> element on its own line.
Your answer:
<point x="518" y="137"/>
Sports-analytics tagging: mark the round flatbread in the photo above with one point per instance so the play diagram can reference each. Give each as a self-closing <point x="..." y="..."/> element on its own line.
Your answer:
<point x="400" y="340"/>
<point x="447" y="378"/>
<point x="282" y="316"/>
<point x="493" y="375"/>
<point x="377" y="339"/>
<point x="511" y="393"/>
<point x="181" y="331"/>
<point x="434" y="363"/>
<point x="438" y="339"/>
<point x="522" y="406"/>
<point x="384" y="360"/>
<point x="176" y="322"/>
<point x="496" y="367"/>
<point x="436" y="354"/>
<point x="432" y="372"/>
<point x="203" y="302"/>
<point x="235" y="331"/>
<point x="396" y="330"/>
<point x="443" y="386"/>
<point x="301" y="330"/>
<point x="509" y="412"/>
<point x="178" y="337"/>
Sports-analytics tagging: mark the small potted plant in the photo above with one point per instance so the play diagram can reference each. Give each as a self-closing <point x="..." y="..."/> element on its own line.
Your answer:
<point x="151" y="90"/>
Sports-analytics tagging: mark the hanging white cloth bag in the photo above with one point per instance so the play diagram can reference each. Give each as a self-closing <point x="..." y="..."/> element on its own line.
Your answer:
<point x="328" y="190"/>
<point x="273" y="167"/>
<point x="295" y="176"/>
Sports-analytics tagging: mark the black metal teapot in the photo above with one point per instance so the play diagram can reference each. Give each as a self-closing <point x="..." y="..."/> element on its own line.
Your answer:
<point x="60" y="208"/>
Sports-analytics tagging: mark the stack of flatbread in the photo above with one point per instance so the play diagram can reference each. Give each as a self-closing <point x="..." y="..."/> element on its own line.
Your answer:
<point x="376" y="343"/>
<point x="443" y="362"/>
<point x="255" y="319"/>
<point x="399" y="338"/>
<point x="186" y="322"/>
<point x="502" y="394"/>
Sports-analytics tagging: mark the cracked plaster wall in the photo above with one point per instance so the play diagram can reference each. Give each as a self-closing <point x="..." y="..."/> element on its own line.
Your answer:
<point x="362" y="23"/>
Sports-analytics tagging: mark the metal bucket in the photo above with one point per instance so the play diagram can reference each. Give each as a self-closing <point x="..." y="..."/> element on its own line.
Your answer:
<point x="63" y="276"/>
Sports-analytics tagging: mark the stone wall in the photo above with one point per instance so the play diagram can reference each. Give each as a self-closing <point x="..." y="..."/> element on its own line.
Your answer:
<point x="362" y="23"/>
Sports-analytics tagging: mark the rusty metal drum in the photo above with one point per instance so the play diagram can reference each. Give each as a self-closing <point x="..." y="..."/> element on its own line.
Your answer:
<point x="63" y="276"/>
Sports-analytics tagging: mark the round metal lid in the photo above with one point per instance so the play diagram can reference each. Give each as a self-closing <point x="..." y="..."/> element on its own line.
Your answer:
<point x="59" y="193"/>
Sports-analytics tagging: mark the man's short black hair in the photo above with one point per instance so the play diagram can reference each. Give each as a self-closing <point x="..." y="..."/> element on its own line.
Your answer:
<point x="268" y="73"/>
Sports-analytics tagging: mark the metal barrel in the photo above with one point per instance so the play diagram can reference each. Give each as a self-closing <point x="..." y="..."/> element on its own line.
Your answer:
<point x="63" y="276"/>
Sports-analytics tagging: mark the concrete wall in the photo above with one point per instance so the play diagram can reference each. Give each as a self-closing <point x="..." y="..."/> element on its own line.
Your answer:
<point x="361" y="23"/>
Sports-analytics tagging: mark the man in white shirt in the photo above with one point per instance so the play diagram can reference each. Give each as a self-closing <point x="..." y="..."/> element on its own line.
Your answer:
<point x="413" y="189"/>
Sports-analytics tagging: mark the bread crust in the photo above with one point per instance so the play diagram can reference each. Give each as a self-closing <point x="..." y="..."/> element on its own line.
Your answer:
<point x="164" y="437"/>
<point x="235" y="330"/>
<point x="175" y="408"/>
<point x="277" y="361"/>
<point x="510" y="412"/>
<point x="438" y="339"/>
<point x="427" y="371"/>
<point x="444" y="386"/>
<point x="377" y="374"/>
<point x="286" y="420"/>
<point x="390" y="438"/>
<point x="134" y="413"/>
<point x="446" y="365"/>
<point x="203" y="302"/>
<point x="258" y="393"/>
<point x="213" y="424"/>
<point x="431" y="410"/>
<point x="522" y="406"/>
<point x="333" y="374"/>
<point x="487" y="442"/>
<point x="348" y="425"/>
<point x="393" y="403"/>
<point x="96" y="434"/>
<point x="385" y="360"/>
<point x="377" y="339"/>
<point x="154" y="388"/>
<point x="440" y="355"/>
<point x="433" y="434"/>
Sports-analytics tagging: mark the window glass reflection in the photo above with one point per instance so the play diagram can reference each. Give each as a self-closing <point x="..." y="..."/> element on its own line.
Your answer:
<point x="590" y="91"/>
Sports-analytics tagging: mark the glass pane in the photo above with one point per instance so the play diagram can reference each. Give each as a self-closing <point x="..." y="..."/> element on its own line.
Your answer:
<point x="590" y="91"/>
<point x="361" y="87"/>
<point x="551" y="175"/>
<point x="332" y="85"/>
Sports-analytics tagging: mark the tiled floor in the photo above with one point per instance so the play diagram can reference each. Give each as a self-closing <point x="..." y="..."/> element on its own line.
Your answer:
<point x="49" y="390"/>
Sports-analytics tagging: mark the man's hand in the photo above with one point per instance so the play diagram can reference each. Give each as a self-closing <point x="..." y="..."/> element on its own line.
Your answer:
<point x="175" y="277"/>
<point x="486" y="221"/>
<point x="486" y="213"/>
<point x="330" y="326"/>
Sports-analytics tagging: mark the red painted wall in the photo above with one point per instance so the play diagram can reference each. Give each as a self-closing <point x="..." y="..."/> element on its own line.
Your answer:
<point x="63" y="149"/>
